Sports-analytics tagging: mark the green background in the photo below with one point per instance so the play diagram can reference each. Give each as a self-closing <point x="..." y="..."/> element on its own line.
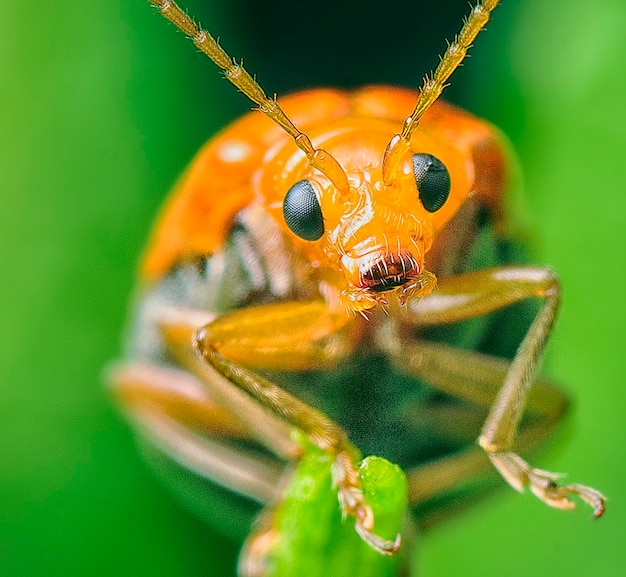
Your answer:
<point x="103" y="103"/>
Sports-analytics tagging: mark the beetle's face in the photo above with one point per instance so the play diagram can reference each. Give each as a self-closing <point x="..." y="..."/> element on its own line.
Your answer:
<point x="377" y="236"/>
<point x="374" y="235"/>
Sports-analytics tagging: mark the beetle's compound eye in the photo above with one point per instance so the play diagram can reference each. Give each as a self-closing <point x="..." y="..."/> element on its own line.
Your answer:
<point x="302" y="211"/>
<point x="432" y="179"/>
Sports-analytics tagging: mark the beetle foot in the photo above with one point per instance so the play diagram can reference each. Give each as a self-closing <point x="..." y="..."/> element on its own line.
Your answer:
<point x="518" y="473"/>
<point x="346" y="480"/>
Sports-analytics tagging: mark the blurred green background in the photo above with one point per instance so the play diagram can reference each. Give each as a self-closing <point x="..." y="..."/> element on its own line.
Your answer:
<point x="103" y="103"/>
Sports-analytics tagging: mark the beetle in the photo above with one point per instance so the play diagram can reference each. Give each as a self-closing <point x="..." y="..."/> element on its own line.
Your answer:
<point x="328" y="275"/>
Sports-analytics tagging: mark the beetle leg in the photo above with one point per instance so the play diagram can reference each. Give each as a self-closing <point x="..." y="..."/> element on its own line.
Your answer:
<point x="480" y="292"/>
<point x="146" y="386"/>
<point x="475" y="378"/>
<point x="285" y="336"/>
<point x="456" y="475"/>
<point x="172" y="409"/>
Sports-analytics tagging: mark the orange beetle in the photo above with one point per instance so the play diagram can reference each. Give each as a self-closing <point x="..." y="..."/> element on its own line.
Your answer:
<point x="335" y="235"/>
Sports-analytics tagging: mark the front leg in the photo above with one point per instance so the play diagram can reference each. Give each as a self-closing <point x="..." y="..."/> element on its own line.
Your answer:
<point x="293" y="336"/>
<point x="481" y="292"/>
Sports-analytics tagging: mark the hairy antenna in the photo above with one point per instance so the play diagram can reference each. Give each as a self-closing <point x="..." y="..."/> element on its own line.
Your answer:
<point x="239" y="76"/>
<point x="433" y="85"/>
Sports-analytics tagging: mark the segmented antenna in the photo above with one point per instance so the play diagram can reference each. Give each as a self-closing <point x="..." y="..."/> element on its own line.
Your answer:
<point x="239" y="76"/>
<point x="433" y="85"/>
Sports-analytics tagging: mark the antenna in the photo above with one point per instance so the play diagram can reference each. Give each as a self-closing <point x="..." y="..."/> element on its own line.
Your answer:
<point x="433" y="85"/>
<point x="241" y="78"/>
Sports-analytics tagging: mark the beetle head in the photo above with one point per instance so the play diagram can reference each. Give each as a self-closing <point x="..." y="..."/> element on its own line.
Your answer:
<point x="368" y="241"/>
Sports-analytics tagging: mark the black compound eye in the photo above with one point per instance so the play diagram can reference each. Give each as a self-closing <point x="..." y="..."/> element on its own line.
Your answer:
<point x="302" y="211"/>
<point x="432" y="179"/>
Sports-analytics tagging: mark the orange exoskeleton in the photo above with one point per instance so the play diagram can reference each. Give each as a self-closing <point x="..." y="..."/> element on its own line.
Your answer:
<point x="299" y="279"/>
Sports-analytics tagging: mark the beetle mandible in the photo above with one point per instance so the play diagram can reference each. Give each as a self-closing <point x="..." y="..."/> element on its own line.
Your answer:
<point x="298" y="280"/>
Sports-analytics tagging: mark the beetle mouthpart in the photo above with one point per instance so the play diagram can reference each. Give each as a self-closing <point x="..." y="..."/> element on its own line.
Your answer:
<point x="372" y="277"/>
<point x="388" y="272"/>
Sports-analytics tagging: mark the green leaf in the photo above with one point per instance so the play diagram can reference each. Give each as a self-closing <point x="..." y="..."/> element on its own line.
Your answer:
<point x="311" y="538"/>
